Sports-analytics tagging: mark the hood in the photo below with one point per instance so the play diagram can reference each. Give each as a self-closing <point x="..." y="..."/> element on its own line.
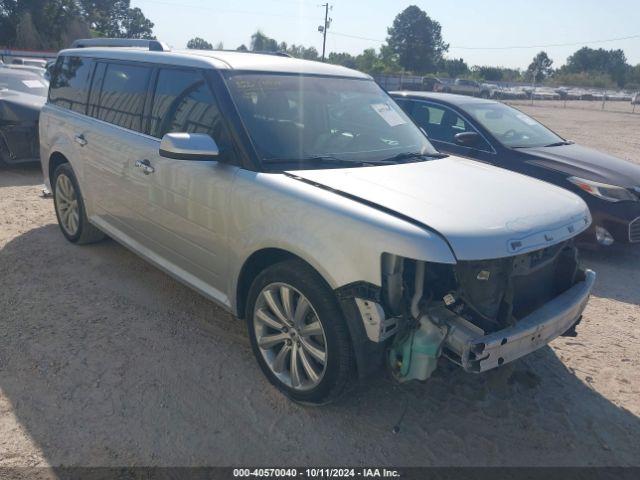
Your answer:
<point x="579" y="161"/>
<point x="20" y="107"/>
<point x="483" y="212"/>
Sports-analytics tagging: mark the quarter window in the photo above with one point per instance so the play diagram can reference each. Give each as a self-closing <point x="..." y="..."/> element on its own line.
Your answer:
<point x="70" y="83"/>
<point x="124" y="89"/>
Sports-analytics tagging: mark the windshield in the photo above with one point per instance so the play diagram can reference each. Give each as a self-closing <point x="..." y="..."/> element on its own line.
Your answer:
<point x="297" y="121"/>
<point x="512" y="127"/>
<point x="23" y="83"/>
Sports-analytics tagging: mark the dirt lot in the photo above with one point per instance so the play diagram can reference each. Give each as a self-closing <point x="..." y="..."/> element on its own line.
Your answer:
<point x="104" y="360"/>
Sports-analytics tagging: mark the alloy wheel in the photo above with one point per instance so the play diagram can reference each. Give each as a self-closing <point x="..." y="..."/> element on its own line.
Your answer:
<point x="67" y="205"/>
<point x="290" y="336"/>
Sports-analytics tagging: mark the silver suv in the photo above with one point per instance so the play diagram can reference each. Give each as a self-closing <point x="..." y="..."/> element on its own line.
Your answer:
<point x="301" y="198"/>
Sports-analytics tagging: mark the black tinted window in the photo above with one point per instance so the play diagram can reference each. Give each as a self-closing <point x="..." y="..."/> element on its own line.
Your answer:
<point x="183" y="102"/>
<point x="441" y="123"/>
<point x="124" y="89"/>
<point x="70" y="83"/>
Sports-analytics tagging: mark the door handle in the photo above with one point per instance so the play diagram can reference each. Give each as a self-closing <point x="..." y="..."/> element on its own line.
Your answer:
<point x="145" y="165"/>
<point x="80" y="140"/>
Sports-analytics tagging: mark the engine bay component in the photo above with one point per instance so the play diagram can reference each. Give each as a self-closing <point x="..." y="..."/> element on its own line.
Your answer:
<point x="415" y="355"/>
<point x="482" y="314"/>
<point x="377" y="326"/>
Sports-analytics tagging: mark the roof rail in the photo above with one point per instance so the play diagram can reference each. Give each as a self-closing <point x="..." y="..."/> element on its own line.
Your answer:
<point x="279" y="53"/>
<point x="153" y="45"/>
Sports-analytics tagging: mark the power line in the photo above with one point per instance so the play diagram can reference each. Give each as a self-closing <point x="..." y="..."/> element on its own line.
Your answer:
<point x="572" y="44"/>
<point x="512" y="47"/>
<point x="218" y="10"/>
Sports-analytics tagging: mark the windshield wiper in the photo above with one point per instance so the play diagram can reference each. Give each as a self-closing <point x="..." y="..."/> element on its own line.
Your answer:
<point x="410" y="156"/>
<point x="314" y="159"/>
<point x="555" y="144"/>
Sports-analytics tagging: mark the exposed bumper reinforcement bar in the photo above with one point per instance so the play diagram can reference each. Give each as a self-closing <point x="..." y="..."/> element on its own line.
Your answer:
<point x="481" y="353"/>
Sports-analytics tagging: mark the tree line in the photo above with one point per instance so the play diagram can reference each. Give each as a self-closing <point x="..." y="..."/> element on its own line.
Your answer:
<point x="54" y="24"/>
<point x="415" y="45"/>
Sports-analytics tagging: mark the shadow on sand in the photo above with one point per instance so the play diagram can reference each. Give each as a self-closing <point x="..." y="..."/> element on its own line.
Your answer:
<point x="20" y="175"/>
<point x="618" y="269"/>
<point x="105" y="360"/>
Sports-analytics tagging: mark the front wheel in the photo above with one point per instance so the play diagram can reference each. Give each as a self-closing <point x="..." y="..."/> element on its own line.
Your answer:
<point x="298" y="333"/>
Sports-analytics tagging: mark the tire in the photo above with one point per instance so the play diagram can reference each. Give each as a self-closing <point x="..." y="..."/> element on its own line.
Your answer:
<point x="275" y="359"/>
<point x="68" y="202"/>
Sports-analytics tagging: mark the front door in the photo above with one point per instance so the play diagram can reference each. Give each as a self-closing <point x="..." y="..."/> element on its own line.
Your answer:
<point x="442" y="124"/>
<point x="187" y="201"/>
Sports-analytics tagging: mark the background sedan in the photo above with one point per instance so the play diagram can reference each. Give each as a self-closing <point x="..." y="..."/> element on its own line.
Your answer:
<point x="22" y="95"/>
<point x="498" y="134"/>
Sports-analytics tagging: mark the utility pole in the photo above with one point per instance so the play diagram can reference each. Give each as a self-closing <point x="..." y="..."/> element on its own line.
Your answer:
<point x="323" y="28"/>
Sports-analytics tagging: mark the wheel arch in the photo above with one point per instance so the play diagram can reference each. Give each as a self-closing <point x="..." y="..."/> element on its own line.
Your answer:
<point x="55" y="160"/>
<point x="256" y="263"/>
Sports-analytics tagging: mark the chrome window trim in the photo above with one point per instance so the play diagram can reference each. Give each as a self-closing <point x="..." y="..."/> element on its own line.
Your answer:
<point x="89" y="117"/>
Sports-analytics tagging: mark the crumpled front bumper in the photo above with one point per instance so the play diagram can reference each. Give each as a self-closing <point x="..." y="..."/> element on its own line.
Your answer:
<point x="478" y="353"/>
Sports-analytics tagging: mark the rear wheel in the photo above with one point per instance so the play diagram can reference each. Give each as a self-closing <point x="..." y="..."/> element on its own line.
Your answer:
<point x="69" y="207"/>
<point x="298" y="333"/>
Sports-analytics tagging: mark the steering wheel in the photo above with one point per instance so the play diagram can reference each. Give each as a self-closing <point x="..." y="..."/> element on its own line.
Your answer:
<point x="509" y="133"/>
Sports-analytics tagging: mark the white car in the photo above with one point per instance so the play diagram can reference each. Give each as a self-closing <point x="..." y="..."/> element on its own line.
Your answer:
<point x="545" y="93"/>
<point x="29" y="62"/>
<point x="300" y="197"/>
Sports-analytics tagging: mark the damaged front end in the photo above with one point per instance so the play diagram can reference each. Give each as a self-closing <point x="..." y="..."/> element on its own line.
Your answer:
<point x="19" y="126"/>
<point x="479" y="314"/>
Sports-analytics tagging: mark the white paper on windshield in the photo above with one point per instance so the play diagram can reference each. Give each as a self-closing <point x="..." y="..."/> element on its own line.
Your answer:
<point x="527" y="120"/>
<point x="388" y="114"/>
<point x="33" y="83"/>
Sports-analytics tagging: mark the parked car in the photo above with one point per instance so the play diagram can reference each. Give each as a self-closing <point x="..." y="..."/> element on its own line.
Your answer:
<point x="22" y="95"/>
<point x="510" y="93"/>
<point x="497" y="134"/>
<point x="25" y="68"/>
<point x="490" y="90"/>
<point x="463" y="86"/>
<point x="432" y="84"/>
<point x="29" y="62"/>
<point x="544" y="93"/>
<point x="300" y="197"/>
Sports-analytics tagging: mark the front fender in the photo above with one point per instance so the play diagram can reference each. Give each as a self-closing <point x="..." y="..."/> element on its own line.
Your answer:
<point x="341" y="238"/>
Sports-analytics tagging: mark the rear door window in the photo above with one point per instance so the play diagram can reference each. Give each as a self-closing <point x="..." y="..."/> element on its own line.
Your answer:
<point x="70" y="83"/>
<point x="124" y="90"/>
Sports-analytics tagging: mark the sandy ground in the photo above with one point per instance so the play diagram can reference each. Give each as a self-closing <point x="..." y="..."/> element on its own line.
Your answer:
<point x="104" y="360"/>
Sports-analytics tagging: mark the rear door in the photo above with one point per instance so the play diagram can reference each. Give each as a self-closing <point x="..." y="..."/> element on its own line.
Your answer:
<point x="114" y="139"/>
<point x="68" y="91"/>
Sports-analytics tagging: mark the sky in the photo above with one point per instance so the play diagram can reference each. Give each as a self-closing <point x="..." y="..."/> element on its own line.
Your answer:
<point x="477" y="31"/>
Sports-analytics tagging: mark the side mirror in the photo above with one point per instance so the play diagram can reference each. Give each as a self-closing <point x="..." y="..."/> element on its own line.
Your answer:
<point x="467" y="139"/>
<point x="188" y="146"/>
